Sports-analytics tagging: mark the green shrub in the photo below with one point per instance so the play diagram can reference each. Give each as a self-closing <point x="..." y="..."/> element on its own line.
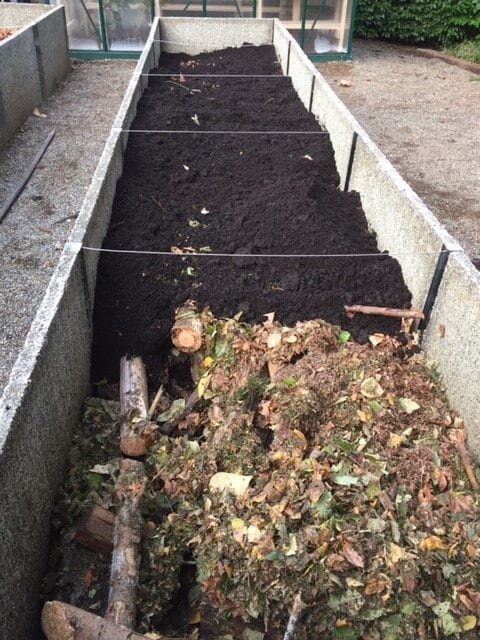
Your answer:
<point x="418" y="21"/>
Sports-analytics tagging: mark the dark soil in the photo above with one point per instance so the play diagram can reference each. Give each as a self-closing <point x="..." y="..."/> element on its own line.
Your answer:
<point x="262" y="195"/>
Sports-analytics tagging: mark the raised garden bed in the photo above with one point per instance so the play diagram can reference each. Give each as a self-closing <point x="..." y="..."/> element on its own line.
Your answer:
<point x="235" y="194"/>
<point x="32" y="61"/>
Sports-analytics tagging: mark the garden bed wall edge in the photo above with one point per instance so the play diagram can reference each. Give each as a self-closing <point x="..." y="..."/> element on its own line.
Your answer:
<point x="32" y="61"/>
<point x="42" y="401"/>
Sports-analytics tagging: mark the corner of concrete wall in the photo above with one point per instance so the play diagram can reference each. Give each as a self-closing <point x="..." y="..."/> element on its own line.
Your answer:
<point x="282" y="41"/>
<point x="20" y="87"/>
<point x="38" y="412"/>
<point x="452" y="341"/>
<point x="51" y="41"/>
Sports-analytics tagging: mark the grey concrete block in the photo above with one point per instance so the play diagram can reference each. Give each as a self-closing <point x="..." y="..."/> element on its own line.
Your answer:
<point x="197" y="35"/>
<point x="20" y="87"/>
<point x="32" y="61"/>
<point x="51" y="41"/>
<point x="452" y="341"/>
<point x="282" y="40"/>
<point x="38" y="410"/>
<point x="403" y="224"/>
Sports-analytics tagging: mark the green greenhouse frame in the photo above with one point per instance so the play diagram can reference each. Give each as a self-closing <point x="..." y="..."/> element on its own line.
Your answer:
<point x="308" y="26"/>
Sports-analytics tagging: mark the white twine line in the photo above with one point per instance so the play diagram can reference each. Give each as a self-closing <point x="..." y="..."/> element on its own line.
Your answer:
<point x="214" y="75"/>
<point x="270" y="255"/>
<point x="217" y="44"/>
<point x="202" y="131"/>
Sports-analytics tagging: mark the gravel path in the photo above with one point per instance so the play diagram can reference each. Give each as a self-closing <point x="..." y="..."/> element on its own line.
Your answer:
<point x="32" y="235"/>
<point x="423" y="114"/>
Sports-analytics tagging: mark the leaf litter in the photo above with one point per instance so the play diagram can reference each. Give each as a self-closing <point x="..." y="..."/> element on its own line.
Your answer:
<point x="311" y="464"/>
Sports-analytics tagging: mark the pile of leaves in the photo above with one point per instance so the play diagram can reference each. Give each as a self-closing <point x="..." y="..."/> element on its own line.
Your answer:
<point x="321" y="466"/>
<point x="309" y="465"/>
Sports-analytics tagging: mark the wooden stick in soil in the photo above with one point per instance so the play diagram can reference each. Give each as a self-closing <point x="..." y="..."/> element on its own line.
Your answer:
<point x="295" y="615"/>
<point x="383" y="311"/>
<point x="95" y="531"/>
<point x="133" y="406"/>
<point x="61" y="621"/>
<point x="459" y="440"/>
<point x="155" y="401"/>
<point x="127" y="535"/>
<point x="187" y="329"/>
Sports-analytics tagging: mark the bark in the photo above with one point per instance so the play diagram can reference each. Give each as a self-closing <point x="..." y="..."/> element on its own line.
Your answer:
<point x="383" y="311"/>
<point x="127" y="536"/>
<point x="458" y="437"/>
<point x="187" y="329"/>
<point x="133" y="406"/>
<point x="295" y="615"/>
<point x="61" y="621"/>
<point x="95" y="532"/>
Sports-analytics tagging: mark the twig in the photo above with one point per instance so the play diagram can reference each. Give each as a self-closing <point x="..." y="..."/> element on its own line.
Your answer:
<point x="383" y="311"/>
<point x="179" y="85"/>
<point x="295" y="615"/>
<point x="155" y="402"/>
<point x="159" y="204"/>
<point x="459" y="439"/>
<point x="168" y="427"/>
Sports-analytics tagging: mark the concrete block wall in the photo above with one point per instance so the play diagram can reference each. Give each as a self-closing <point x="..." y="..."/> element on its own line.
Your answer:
<point x="32" y="61"/>
<point x="42" y="401"/>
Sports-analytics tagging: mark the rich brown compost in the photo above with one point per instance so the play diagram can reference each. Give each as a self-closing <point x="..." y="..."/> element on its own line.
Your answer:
<point x="263" y="193"/>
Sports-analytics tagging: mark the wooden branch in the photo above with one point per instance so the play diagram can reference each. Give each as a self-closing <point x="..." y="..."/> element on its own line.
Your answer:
<point x="95" y="531"/>
<point x="458" y="437"/>
<point x="155" y="402"/>
<point x="351" y="310"/>
<point x="168" y="427"/>
<point x="127" y="536"/>
<point x="133" y="406"/>
<point x="295" y="615"/>
<point x="187" y="329"/>
<point x="61" y="621"/>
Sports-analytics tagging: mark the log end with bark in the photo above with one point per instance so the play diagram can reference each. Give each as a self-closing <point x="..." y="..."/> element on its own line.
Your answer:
<point x="133" y="406"/>
<point x="187" y="330"/>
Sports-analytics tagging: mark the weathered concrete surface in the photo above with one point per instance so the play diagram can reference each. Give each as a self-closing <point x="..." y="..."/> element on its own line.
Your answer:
<point x="32" y="61"/>
<point x="452" y="340"/>
<point x="41" y="404"/>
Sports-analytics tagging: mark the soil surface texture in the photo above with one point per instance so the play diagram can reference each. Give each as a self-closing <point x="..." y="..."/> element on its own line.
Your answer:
<point x="237" y="194"/>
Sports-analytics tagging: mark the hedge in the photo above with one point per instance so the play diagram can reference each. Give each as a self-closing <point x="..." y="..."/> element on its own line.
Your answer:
<point x="418" y="21"/>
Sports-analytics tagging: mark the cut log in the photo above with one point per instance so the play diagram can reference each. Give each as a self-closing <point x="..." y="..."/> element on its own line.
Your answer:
<point x="95" y="532"/>
<point x="61" y="621"/>
<point x="187" y="329"/>
<point x="133" y="406"/>
<point x="351" y="310"/>
<point x="127" y="536"/>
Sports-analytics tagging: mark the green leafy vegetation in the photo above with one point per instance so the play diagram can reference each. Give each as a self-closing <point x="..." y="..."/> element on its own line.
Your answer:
<point x="467" y="50"/>
<point x="418" y="21"/>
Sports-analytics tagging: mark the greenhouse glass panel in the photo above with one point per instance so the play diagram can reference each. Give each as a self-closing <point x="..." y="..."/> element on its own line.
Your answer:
<point x="326" y="27"/>
<point x="83" y="24"/>
<point x="208" y="8"/>
<point x="127" y="24"/>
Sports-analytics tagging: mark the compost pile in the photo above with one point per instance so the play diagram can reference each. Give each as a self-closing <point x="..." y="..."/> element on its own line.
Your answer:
<point x="310" y="465"/>
<point x="236" y="194"/>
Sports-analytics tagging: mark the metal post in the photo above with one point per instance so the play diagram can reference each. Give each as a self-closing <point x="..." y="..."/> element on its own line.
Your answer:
<point x="304" y="18"/>
<point x="204" y="8"/>
<point x="152" y="9"/>
<point x="103" y="25"/>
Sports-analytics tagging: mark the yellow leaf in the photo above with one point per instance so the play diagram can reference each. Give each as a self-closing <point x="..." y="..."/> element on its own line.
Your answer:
<point x="273" y="340"/>
<point x="293" y="547"/>
<point x="195" y="618"/>
<point x="232" y="483"/>
<point x="468" y="623"/>
<point x="203" y="384"/>
<point x="376" y="338"/>
<point x="207" y="362"/>
<point x="237" y="523"/>
<point x="394" y="441"/>
<point x="370" y="388"/>
<point x="432" y="543"/>
<point x="364" y="416"/>
<point x="300" y="435"/>
<point x="396" y="553"/>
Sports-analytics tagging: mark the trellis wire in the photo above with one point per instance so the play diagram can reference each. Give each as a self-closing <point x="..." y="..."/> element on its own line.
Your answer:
<point x="203" y="131"/>
<point x="270" y="255"/>
<point x="215" y="75"/>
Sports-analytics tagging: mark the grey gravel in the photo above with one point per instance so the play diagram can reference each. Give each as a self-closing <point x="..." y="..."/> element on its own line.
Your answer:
<point x="82" y="111"/>
<point x="423" y="114"/>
